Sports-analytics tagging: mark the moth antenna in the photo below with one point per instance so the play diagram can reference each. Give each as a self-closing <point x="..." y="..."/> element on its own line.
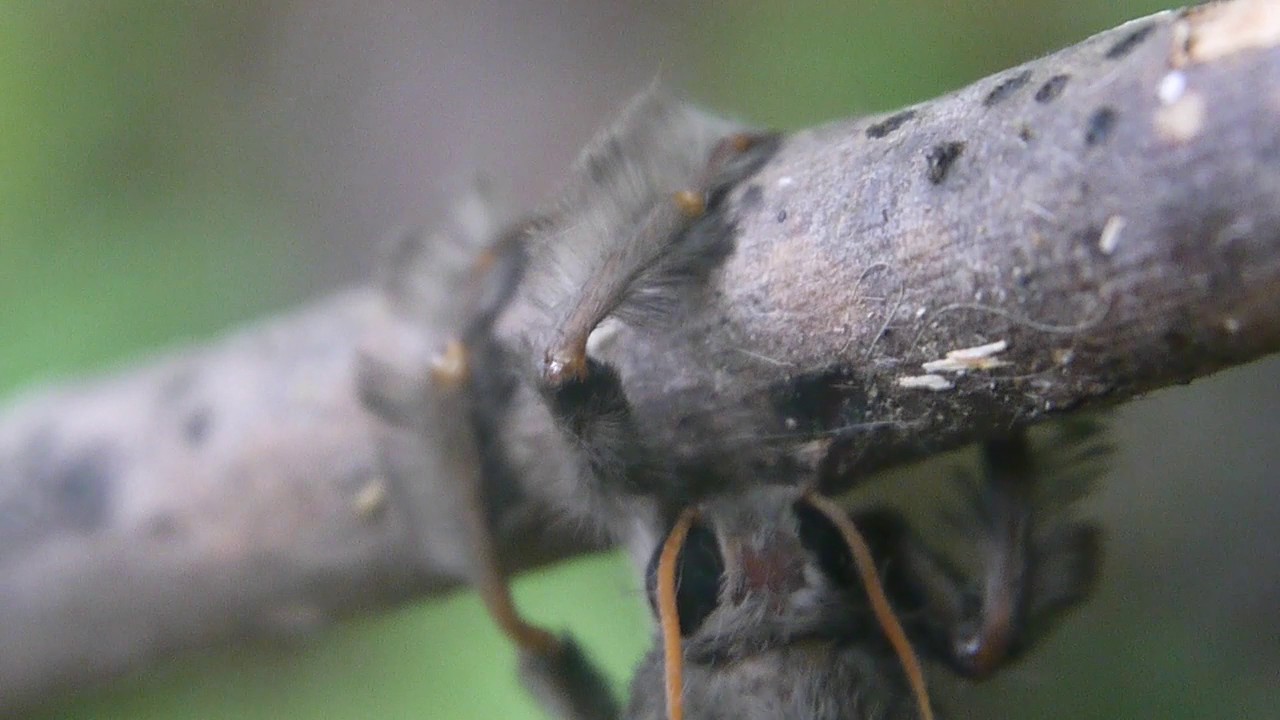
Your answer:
<point x="887" y="619"/>
<point x="638" y="268"/>
<point x="618" y="279"/>
<point x="451" y="372"/>
<point x="669" y="614"/>
<point x="635" y="227"/>
<point x="463" y="365"/>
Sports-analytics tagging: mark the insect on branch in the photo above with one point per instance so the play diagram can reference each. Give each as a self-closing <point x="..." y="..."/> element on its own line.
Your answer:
<point x="1106" y="216"/>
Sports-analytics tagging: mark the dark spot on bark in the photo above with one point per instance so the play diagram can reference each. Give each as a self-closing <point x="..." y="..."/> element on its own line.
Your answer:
<point x="195" y="429"/>
<point x="782" y="215"/>
<point x="1006" y="88"/>
<point x="889" y="124"/>
<point x="820" y="401"/>
<point x="82" y="487"/>
<point x="1100" y="125"/>
<point x="49" y="491"/>
<point x="163" y="527"/>
<point x="753" y="197"/>
<point x="940" y="158"/>
<point x="1025" y="134"/>
<point x="1129" y="42"/>
<point x="1052" y="88"/>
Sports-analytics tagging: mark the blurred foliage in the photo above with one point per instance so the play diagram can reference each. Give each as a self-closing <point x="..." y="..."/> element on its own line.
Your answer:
<point x="123" y="221"/>
<point x="441" y="661"/>
<point x="127" y="221"/>
<point x="795" y="64"/>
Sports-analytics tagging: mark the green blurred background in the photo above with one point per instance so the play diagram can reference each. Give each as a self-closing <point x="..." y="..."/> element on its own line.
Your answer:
<point x="171" y="168"/>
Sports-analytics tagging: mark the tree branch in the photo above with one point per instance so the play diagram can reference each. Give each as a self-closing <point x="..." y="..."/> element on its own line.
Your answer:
<point x="1096" y="224"/>
<point x="1091" y="226"/>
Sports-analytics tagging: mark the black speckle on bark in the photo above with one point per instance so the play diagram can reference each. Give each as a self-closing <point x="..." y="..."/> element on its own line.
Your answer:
<point x="195" y="429"/>
<point x="1100" y="125"/>
<point x="940" y="158"/>
<point x="1129" y="42"/>
<point x="889" y="124"/>
<point x="782" y="215"/>
<point x="1052" y="88"/>
<point x="163" y="528"/>
<point x="81" y="489"/>
<point x="1006" y="89"/>
<point x="55" y="490"/>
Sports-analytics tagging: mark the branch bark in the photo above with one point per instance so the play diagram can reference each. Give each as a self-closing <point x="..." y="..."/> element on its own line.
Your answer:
<point x="1091" y="226"/>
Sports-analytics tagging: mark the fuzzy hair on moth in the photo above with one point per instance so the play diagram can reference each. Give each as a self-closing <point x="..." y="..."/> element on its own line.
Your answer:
<point x="771" y="600"/>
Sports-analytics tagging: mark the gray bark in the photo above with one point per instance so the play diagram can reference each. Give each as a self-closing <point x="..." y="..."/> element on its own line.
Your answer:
<point x="1104" y="221"/>
<point x="1108" y="214"/>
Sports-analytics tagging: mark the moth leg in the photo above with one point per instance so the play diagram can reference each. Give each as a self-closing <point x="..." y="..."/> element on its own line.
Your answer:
<point x="452" y="373"/>
<point x="1038" y="564"/>
<point x="553" y="668"/>
<point x="567" y="685"/>
<point x="1035" y="565"/>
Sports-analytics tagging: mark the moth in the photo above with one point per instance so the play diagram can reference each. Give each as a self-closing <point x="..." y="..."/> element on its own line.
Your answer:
<point x="772" y="601"/>
<point x="777" y="622"/>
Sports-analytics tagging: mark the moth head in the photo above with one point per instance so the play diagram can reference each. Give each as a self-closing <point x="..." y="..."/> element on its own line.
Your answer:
<point x="758" y="570"/>
<point x="771" y="580"/>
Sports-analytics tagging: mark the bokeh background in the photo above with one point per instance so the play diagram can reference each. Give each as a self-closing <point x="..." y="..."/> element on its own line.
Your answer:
<point x="169" y="169"/>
